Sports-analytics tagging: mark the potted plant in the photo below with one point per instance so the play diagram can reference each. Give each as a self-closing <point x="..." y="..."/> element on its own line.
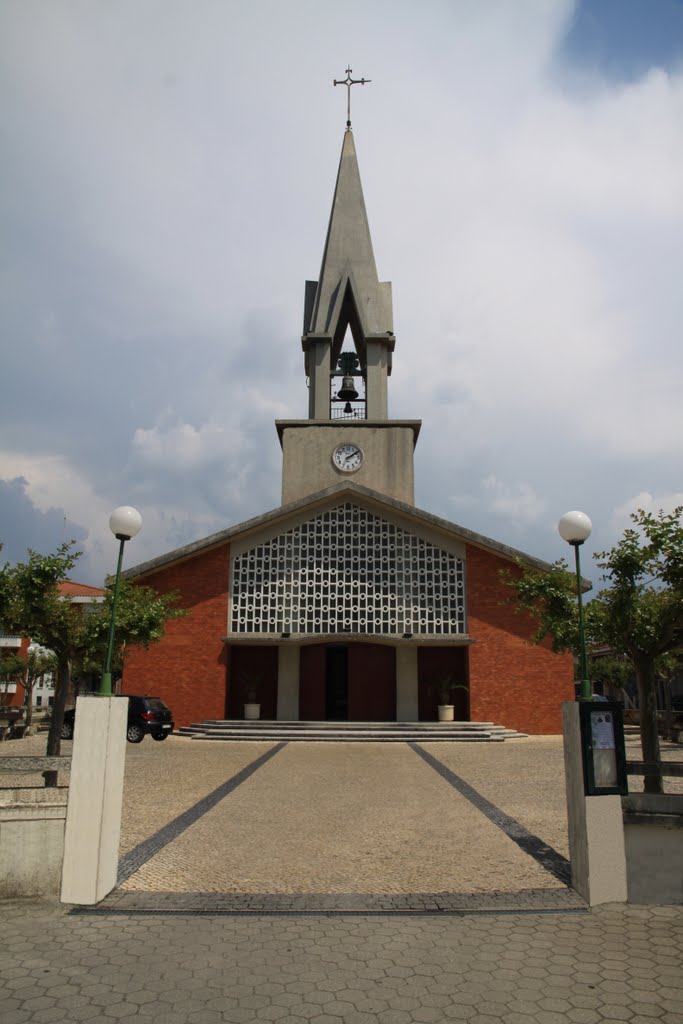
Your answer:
<point x="252" y="707"/>
<point x="444" y="687"/>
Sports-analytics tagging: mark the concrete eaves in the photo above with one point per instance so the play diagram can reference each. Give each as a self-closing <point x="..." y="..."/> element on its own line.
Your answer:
<point x="414" y="425"/>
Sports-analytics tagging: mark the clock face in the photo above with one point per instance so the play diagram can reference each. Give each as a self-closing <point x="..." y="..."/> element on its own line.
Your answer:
<point x="347" y="457"/>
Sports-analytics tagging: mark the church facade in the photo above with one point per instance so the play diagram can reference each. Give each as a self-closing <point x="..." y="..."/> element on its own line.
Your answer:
<point x="347" y="602"/>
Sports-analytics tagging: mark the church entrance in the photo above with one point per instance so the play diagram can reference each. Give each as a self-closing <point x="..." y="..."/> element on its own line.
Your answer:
<point x="347" y="682"/>
<point x="336" y="684"/>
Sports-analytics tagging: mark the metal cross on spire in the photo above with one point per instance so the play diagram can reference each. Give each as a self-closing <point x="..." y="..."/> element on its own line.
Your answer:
<point x="348" y="82"/>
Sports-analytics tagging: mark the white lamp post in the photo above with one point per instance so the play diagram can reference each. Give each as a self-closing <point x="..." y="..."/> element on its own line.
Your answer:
<point x="575" y="528"/>
<point x="124" y="523"/>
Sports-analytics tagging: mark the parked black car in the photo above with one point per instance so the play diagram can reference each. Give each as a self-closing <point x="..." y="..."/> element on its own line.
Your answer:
<point x="145" y="715"/>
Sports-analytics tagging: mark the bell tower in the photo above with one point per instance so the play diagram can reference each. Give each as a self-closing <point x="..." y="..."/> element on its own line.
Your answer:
<point x="348" y="298"/>
<point x="348" y="343"/>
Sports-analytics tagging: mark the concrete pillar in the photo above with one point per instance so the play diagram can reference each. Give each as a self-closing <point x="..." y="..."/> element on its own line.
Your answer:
<point x="93" y="817"/>
<point x="319" y="379"/>
<point x="596" y="826"/>
<point x="288" y="683"/>
<point x="406" y="684"/>
<point x="376" y="381"/>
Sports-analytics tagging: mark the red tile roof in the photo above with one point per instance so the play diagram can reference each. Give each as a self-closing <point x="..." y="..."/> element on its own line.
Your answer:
<point x="71" y="589"/>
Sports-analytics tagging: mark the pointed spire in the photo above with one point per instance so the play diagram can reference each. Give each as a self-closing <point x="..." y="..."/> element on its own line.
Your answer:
<point x="348" y="296"/>
<point x="348" y="266"/>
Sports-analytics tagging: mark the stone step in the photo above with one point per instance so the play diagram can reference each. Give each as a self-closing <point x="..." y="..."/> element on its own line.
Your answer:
<point x="332" y="724"/>
<point x="306" y="726"/>
<point x="351" y="732"/>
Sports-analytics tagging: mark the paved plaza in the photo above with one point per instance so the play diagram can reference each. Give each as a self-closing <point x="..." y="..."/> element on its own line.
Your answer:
<point x="341" y="818"/>
<point x="341" y="882"/>
<point x="611" y="965"/>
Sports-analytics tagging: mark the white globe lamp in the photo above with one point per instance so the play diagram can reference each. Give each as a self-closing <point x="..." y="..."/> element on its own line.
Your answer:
<point x="124" y="522"/>
<point x="575" y="528"/>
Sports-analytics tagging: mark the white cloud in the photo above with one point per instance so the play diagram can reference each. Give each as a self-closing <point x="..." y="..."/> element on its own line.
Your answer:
<point x="519" y="503"/>
<point x="621" y="516"/>
<point x="51" y="482"/>
<point x="181" y="446"/>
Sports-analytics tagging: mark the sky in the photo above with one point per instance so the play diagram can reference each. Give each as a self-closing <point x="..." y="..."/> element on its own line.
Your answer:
<point x="165" y="187"/>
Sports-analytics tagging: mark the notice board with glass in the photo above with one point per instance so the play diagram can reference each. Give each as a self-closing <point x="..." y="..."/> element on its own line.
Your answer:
<point x="602" y="743"/>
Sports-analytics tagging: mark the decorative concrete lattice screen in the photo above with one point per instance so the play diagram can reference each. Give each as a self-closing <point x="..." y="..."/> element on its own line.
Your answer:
<point x="347" y="571"/>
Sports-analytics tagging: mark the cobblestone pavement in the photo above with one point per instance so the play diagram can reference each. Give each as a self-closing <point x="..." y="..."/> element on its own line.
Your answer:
<point x="337" y="818"/>
<point x="611" y="965"/>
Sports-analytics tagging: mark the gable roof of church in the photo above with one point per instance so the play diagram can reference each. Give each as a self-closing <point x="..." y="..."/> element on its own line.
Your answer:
<point x="348" y="292"/>
<point x="332" y="495"/>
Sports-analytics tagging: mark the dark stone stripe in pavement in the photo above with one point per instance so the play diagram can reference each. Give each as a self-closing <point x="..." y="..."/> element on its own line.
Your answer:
<point x="526" y="901"/>
<point x="547" y="857"/>
<point x="148" y="848"/>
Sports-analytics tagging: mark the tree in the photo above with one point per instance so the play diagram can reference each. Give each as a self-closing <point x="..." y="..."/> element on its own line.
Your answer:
<point x="639" y="612"/>
<point x="12" y="667"/>
<point x="26" y="672"/>
<point x="668" y="668"/>
<point x="31" y="605"/>
<point x="39" y="662"/>
<point x="611" y="672"/>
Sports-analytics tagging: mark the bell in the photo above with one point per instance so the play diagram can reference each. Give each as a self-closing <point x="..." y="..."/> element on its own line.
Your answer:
<point x="347" y="392"/>
<point x="348" y="409"/>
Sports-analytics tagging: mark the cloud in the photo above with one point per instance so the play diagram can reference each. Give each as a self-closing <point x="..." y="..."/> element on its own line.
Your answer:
<point x="47" y="528"/>
<point x="621" y="517"/>
<point x="56" y="504"/>
<point x="520" y="503"/>
<point x="181" y="446"/>
<point x="166" y="194"/>
<point x="50" y="482"/>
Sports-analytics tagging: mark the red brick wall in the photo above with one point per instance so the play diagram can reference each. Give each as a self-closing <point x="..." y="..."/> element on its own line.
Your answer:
<point x="187" y="667"/>
<point x="512" y="682"/>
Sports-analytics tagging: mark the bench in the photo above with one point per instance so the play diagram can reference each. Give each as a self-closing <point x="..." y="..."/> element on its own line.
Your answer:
<point x="671" y="768"/>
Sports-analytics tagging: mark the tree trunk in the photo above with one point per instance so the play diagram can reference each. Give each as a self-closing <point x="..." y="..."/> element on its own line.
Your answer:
<point x="28" y="703"/>
<point x="649" y="735"/>
<point x="54" y="737"/>
<point x="669" y="725"/>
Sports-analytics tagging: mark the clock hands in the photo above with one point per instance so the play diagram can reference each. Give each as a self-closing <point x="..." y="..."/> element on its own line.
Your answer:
<point x="347" y="457"/>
